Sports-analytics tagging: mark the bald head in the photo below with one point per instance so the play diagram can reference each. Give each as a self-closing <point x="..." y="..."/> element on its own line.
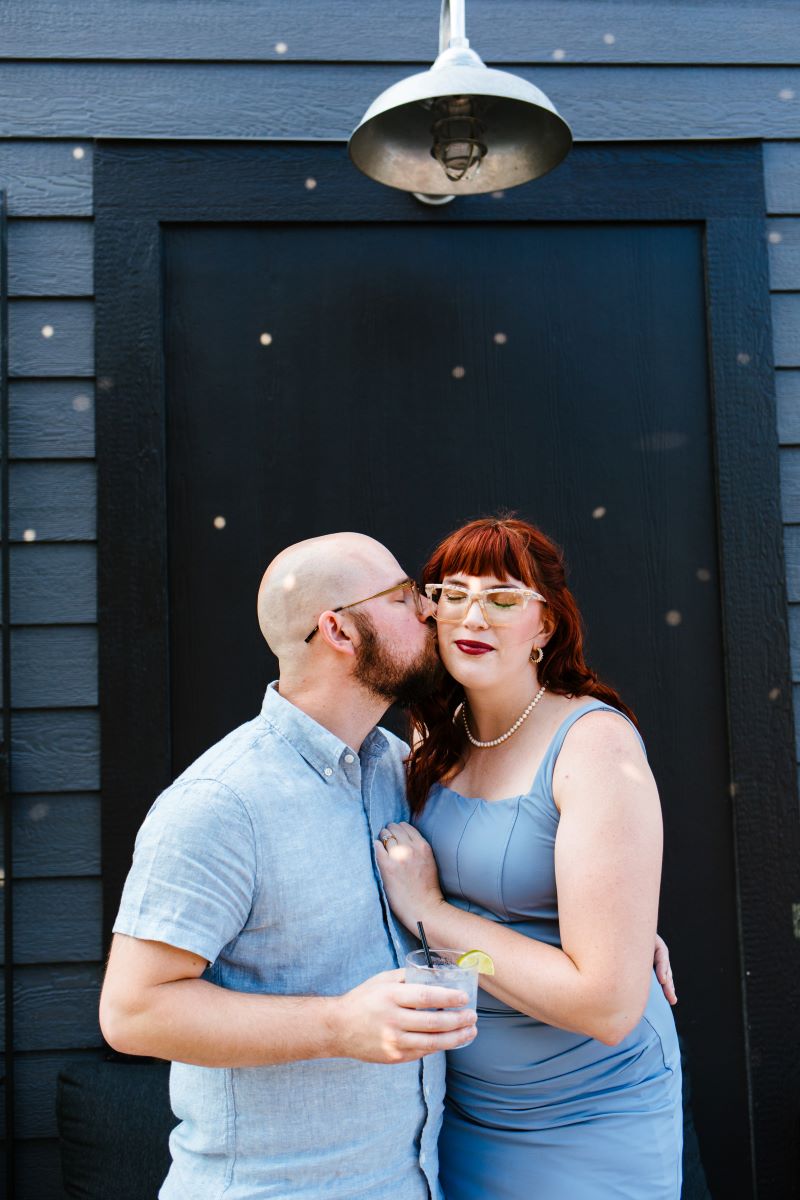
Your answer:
<point x="312" y="576"/>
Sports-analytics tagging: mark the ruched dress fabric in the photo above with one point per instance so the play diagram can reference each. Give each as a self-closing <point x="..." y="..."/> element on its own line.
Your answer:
<point x="534" y="1112"/>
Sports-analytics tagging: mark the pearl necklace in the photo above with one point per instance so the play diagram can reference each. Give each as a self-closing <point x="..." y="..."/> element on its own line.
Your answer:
<point x="514" y="727"/>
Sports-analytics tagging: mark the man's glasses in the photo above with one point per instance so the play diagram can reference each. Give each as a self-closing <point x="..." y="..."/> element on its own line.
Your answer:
<point x="405" y="583"/>
<point x="499" y="605"/>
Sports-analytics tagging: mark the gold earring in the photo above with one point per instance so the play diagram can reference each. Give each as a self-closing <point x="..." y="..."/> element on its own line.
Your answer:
<point x="537" y="650"/>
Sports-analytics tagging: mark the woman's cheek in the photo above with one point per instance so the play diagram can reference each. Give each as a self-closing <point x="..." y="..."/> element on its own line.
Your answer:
<point x="448" y="656"/>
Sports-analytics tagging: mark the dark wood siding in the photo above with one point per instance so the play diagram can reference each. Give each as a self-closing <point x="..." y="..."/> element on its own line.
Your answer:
<point x="55" y="743"/>
<point x="504" y="31"/>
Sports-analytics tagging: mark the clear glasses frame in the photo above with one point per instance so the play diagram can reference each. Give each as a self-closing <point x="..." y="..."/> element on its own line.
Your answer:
<point x="404" y="583"/>
<point x="467" y="598"/>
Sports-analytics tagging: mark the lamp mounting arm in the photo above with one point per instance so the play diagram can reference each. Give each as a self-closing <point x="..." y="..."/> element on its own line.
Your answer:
<point x="452" y="25"/>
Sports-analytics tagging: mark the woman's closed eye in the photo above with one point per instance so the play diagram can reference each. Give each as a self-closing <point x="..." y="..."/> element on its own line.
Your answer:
<point x="506" y="597"/>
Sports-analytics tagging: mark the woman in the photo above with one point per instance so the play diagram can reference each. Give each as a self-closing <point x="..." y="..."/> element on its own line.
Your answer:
<point x="529" y="784"/>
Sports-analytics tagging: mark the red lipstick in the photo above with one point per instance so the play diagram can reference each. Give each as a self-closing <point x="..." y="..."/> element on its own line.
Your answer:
<point x="469" y="647"/>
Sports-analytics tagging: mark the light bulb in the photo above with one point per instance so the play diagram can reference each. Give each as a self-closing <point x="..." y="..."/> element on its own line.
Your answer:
<point x="457" y="137"/>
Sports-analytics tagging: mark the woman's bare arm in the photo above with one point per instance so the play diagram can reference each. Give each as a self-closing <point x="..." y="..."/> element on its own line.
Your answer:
<point x="608" y="866"/>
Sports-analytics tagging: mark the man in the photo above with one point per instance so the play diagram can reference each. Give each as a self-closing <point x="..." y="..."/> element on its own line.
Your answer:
<point x="254" y="946"/>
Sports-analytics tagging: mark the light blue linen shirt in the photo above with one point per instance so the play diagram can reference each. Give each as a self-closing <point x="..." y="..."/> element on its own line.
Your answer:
<point x="260" y="859"/>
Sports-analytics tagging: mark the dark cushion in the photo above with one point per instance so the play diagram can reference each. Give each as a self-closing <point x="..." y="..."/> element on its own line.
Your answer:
<point x="114" y="1122"/>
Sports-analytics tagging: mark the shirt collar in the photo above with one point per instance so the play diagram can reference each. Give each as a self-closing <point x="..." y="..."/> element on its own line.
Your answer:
<point x="321" y="749"/>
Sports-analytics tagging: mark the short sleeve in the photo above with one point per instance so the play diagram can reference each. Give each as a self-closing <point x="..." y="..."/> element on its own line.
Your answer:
<point x="194" y="869"/>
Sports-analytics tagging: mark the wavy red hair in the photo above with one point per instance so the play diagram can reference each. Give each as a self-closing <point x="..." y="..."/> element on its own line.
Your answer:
<point x="501" y="546"/>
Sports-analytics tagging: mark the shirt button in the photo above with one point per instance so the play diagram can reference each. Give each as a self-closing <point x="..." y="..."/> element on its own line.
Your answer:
<point x="328" y="771"/>
<point x="348" y="758"/>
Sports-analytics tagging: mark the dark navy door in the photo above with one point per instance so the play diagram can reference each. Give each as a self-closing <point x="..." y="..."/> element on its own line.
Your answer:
<point x="398" y="379"/>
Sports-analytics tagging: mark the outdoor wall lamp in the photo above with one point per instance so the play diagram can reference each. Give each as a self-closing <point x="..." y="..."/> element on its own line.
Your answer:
<point x="459" y="128"/>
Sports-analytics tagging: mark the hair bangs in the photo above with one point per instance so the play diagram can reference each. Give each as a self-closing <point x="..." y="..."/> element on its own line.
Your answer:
<point x="485" y="548"/>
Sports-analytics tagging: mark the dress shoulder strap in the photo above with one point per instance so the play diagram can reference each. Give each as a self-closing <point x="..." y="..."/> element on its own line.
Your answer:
<point x="558" y="737"/>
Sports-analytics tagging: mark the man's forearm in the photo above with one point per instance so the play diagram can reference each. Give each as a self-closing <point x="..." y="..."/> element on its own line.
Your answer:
<point x="194" y="1021"/>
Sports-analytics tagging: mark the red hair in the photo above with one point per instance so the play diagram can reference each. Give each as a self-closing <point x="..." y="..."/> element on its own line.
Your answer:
<point x="500" y="546"/>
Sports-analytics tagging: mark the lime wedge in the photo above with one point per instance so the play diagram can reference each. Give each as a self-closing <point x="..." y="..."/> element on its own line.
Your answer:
<point x="479" y="959"/>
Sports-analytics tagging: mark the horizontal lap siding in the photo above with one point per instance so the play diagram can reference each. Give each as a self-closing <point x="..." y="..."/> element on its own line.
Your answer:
<point x="46" y="179"/>
<point x="50" y="258"/>
<point x="55" y="1006"/>
<point x="782" y="165"/>
<point x="504" y="31"/>
<point x="309" y="101"/>
<point x="51" y="418"/>
<point x="264" y="69"/>
<point x="55" y="732"/>
<point x="56" y="835"/>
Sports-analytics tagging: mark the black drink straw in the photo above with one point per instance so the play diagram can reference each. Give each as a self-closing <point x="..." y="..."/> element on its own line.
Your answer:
<point x="425" y="946"/>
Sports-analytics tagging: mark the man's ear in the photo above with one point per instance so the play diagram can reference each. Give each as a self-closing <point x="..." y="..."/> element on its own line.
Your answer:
<point x="335" y="633"/>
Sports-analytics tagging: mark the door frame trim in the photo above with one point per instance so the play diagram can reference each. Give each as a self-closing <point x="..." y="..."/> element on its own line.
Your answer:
<point x="140" y="186"/>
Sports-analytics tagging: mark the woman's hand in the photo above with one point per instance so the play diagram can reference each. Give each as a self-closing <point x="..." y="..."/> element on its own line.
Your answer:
<point x="408" y="869"/>
<point x="663" y="970"/>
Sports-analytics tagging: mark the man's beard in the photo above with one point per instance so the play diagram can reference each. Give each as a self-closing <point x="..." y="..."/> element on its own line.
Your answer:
<point x="399" y="683"/>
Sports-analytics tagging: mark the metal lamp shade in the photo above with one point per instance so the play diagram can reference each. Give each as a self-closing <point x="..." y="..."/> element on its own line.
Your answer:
<point x="524" y="134"/>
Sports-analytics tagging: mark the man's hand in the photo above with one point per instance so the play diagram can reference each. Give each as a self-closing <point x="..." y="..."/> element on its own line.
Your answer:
<point x="154" y="1003"/>
<point x="664" y="970"/>
<point x="385" y="1020"/>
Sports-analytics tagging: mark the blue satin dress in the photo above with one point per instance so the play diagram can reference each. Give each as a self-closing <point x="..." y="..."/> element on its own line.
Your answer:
<point x="534" y="1112"/>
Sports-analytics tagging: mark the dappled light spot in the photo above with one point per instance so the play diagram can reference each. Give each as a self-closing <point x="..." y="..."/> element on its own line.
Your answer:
<point x="498" y="195"/>
<point x="774" y="237"/>
<point x="281" y="47"/>
<point x="703" y="574"/>
<point x="39" y="811"/>
<point x="500" y="339"/>
<point x="732" y="788"/>
<point x="310" y="184"/>
<point x="105" y="383"/>
<point x="79" y="153"/>
<point x="599" y="512"/>
<point x="742" y="358"/>
<point x="559" y="55"/>
<point x="774" y="693"/>
<point x="609" y="39"/>
<point x="786" y="94"/>
<point x="290" y="582"/>
<point x="266" y="339"/>
<point x="47" y="331"/>
<point x="673" y="617"/>
<point x="219" y="522"/>
<point x="458" y="372"/>
<point x="81" y="403"/>
<point x="29" y="535"/>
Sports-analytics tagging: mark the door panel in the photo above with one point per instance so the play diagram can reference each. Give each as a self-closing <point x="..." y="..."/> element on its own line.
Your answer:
<point x="417" y="376"/>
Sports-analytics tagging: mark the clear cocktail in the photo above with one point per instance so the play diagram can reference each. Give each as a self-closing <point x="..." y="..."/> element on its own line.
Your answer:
<point x="445" y="972"/>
